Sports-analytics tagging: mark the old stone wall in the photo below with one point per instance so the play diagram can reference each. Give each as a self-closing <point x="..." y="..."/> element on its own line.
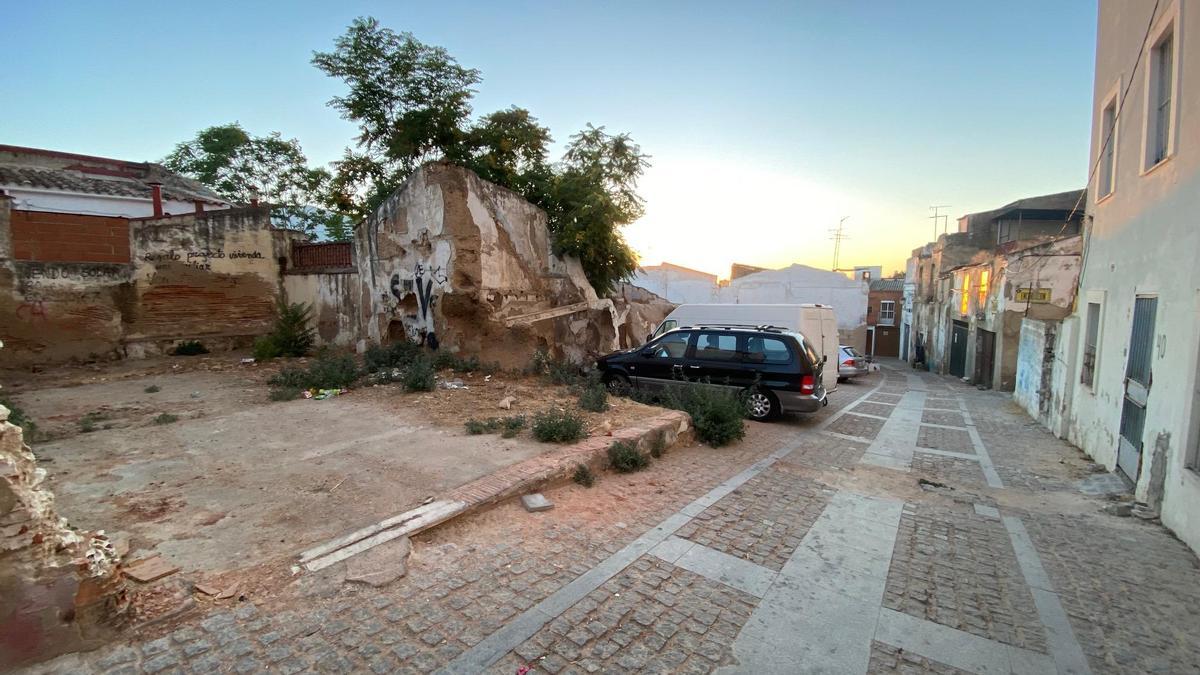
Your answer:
<point x="333" y="297"/>
<point x="451" y="255"/>
<point x="61" y="590"/>
<point x="210" y="276"/>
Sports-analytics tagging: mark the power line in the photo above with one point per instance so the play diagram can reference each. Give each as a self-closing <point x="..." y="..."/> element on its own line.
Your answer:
<point x="936" y="217"/>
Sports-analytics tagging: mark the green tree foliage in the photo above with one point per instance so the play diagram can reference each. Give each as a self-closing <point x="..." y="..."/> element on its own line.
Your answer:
<point x="241" y="167"/>
<point x="412" y="103"/>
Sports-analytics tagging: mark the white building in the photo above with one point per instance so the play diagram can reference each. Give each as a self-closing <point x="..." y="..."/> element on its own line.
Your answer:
<point x="677" y="283"/>
<point x="1131" y="348"/>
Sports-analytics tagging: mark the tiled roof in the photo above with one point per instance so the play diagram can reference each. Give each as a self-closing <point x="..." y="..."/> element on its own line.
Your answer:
<point x="887" y="285"/>
<point x="47" y="170"/>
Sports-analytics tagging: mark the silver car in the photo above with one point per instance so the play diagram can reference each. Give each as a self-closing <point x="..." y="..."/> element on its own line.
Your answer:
<point x="851" y="363"/>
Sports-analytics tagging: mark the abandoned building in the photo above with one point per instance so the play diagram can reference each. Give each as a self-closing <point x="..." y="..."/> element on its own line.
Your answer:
<point x="883" y="327"/>
<point x="974" y="288"/>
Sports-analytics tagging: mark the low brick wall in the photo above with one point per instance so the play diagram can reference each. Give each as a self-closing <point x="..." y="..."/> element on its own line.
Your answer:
<point x="551" y="468"/>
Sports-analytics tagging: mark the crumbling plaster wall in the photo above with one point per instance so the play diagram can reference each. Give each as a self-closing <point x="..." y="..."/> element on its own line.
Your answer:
<point x="61" y="590"/>
<point x="469" y="262"/>
<point x="211" y="276"/>
<point x="333" y="297"/>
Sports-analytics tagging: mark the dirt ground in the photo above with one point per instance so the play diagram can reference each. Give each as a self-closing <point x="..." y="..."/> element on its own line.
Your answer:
<point x="236" y="481"/>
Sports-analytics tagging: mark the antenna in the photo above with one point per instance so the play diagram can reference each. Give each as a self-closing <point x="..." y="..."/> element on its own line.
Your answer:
<point x="837" y="238"/>
<point x="943" y="217"/>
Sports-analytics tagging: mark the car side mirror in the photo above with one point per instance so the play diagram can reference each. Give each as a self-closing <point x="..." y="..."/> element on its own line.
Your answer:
<point x="649" y="336"/>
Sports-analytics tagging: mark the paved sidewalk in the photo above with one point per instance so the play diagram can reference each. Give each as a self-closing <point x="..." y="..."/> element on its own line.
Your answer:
<point x="917" y="525"/>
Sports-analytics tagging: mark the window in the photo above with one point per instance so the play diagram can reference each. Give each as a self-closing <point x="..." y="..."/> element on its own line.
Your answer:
<point x="1087" y="375"/>
<point x="983" y="286"/>
<point x="887" y="312"/>
<point x="1158" y="115"/>
<point x="767" y="350"/>
<point x="966" y="295"/>
<point x="1108" y="147"/>
<point x="672" y="346"/>
<point x="1006" y="231"/>
<point x="670" y="324"/>
<point x="717" y="347"/>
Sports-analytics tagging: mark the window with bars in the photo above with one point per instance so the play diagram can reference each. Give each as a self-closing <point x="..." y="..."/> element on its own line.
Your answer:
<point x="1091" y="338"/>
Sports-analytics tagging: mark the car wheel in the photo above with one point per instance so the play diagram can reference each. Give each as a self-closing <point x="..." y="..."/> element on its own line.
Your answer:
<point x="761" y="405"/>
<point x="617" y="384"/>
<point x="843" y="379"/>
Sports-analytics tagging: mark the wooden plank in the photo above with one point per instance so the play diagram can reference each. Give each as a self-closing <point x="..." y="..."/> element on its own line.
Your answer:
<point x="150" y="569"/>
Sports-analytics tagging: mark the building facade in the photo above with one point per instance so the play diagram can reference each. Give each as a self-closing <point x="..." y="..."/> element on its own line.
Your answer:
<point x="1129" y="396"/>
<point x="885" y="303"/>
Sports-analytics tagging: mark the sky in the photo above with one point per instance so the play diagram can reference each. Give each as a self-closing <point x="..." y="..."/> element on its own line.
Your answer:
<point x="766" y="122"/>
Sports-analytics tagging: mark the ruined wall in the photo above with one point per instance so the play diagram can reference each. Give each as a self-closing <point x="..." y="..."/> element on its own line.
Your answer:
<point x="61" y="590"/>
<point x="210" y="276"/>
<point x="333" y="297"/>
<point x="470" y="262"/>
<point x="639" y="312"/>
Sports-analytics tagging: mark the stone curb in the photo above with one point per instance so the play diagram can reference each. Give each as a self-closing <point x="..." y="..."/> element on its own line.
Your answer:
<point x="533" y="474"/>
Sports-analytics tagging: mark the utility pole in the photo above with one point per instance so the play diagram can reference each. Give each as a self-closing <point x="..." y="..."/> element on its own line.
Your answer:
<point x="837" y="238"/>
<point x="936" y="217"/>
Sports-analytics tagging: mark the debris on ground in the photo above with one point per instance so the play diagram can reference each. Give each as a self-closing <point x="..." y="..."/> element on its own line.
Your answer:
<point x="507" y="402"/>
<point x="926" y="483"/>
<point x="150" y="569"/>
<point x="381" y="565"/>
<point x="456" y="383"/>
<point x="322" y="394"/>
<point x="206" y="589"/>
<point x="536" y="502"/>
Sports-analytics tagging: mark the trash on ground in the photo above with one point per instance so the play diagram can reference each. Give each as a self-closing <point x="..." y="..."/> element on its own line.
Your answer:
<point x="453" y="384"/>
<point x="150" y="569"/>
<point x="536" y="502"/>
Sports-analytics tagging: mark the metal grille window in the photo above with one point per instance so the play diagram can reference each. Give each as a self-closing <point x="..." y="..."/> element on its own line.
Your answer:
<point x="887" y="312"/>
<point x="1161" y="79"/>
<point x="1141" y="342"/>
<point x="1087" y="375"/>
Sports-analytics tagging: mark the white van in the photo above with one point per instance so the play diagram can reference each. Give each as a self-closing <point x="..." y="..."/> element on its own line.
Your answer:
<point x="817" y="322"/>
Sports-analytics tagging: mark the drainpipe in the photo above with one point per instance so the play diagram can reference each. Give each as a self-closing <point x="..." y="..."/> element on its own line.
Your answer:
<point x="156" y="197"/>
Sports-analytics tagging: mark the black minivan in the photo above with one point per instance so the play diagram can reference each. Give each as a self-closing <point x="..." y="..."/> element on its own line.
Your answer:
<point x="778" y="371"/>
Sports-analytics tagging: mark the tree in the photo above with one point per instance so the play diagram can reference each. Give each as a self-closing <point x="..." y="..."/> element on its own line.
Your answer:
<point x="241" y="168"/>
<point x="410" y="100"/>
<point x="592" y="196"/>
<point x="510" y="148"/>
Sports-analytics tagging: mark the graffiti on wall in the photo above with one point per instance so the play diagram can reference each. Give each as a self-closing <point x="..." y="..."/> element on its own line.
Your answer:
<point x="32" y="311"/>
<point x="201" y="258"/>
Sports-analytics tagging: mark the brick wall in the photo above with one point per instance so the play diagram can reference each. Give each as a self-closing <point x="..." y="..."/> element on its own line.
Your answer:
<point x="65" y="237"/>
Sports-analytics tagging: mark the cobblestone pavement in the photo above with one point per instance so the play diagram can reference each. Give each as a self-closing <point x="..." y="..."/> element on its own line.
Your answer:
<point x="787" y="547"/>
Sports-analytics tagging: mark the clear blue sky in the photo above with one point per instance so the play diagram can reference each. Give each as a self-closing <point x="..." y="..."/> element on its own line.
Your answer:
<point x="766" y="121"/>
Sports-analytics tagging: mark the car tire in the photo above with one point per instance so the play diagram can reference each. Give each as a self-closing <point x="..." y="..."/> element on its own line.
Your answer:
<point x="617" y="384"/>
<point x="843" y="379"/>
<point x="761" y="405"/>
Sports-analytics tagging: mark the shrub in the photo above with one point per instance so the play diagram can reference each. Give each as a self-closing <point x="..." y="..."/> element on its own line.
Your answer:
<point x="477" y="427"/>
<point x="189" y="348"/>
<point x="558" y="371"/>
<point x="558" y="426"/>
<point x="718" y="415"/>
<point x="152" y="389"/>
<point x="625" y="458"/>
<point x="90" y="422"/>
<point x="329" y="371"/>
<point x="166" y="418"/>
<point x="584" y="476"/>
<point x="420" y="375"/>
<point x="443" y="360"/>
<point x="291" y="335"/>
<point x="511" y="426"/>
<point x="398" y="354"/>
<point x="593" y="397"/>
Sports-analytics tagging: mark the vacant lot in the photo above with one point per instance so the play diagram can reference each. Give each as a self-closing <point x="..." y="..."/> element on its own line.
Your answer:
<point x="189" y="458"/>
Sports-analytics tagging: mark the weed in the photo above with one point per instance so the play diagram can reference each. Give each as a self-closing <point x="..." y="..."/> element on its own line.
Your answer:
<point x="166" y="418"/>
<point x="558" y="426"/>
<point x="18" y="417"/>
<point x="152" y="389"/>
<point x="511" y="426"/>
<point x="90" y="422"/>
<point x="189" y="348"/>
<point x="444" y="359"/>
<point x="292" y="334"/>
<point x="285" y="393"/>
<point x="477" y="427"/>
<point x="584" y="476"/>
<point x="420" y="375"/>
<point x="626" y="458"/>
<point x="593" y="397"/>
<point x="557" y="371"/>
<point x="398" y="354"/>
<point x="329" y="371"/>
<point x="658" y="445"/>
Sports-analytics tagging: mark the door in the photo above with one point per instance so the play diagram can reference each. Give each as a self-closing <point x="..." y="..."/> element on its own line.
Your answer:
<point x="661" y="361"/>
<point x="1137" y="387"/>
<point x="958" y="350"/>
<point x="717" y="360"/>
<point x="985" y="357"/>
<point x="887" y="341"/>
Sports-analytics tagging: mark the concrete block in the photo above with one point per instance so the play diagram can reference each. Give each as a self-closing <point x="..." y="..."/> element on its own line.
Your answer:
<point x="536" y="502"/>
